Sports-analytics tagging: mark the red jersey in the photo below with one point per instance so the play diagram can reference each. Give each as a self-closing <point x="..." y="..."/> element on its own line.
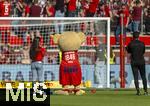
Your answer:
<point x="70" y="70"/>
<point x="84" y="4"/>
<point x="105" y="12"/>
<point x="27" y="10"/>
<point x="52" y="11"/>
<point x="93" y="6"/>
<point x="137" y="13"/>
<point x="5" y="9"/>
<point x="85" y="7"/>
<point x="72" y="5"/>
<point x="70" y="57"/>
<point x="40" y="54"/>
<point x="125" y="16"/>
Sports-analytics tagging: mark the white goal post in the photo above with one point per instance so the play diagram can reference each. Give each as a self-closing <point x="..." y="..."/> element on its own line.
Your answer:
<point x="70" y="23"/>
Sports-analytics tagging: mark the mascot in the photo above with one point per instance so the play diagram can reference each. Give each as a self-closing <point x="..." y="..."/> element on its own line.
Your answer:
<point x="70" y="73"/>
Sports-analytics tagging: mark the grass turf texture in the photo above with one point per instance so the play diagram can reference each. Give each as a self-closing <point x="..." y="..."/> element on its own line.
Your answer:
<point x="118" y="97"/>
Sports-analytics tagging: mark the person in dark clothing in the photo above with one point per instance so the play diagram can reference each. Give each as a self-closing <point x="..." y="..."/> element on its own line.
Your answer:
<point x="59" y="7"/>
<point x="147" y="20"/>
<point x="35" y="10"/>
<point x="137" y="49"/>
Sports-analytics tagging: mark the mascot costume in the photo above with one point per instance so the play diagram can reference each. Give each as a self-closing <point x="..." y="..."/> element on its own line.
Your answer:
<point x="70" y="73"/>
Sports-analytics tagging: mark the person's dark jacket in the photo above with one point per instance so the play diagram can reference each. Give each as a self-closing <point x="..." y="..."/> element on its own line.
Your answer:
<point x="60" y="5"/>
<point x="137" y="49"/>
<point x="34" y="47"/>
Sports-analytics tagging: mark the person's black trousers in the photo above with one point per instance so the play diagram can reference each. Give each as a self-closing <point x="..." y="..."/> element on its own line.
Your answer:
<point x="136" y="69"/>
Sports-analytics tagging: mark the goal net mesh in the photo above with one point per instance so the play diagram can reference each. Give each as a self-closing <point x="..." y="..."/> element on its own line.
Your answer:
<point x="16" y="37"/>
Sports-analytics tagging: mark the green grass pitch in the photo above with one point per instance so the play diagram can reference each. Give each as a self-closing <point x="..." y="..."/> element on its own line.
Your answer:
<point x="118" y="97"/>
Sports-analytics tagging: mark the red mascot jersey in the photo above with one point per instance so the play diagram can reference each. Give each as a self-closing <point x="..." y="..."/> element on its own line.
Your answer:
<point x="70" y="70"/>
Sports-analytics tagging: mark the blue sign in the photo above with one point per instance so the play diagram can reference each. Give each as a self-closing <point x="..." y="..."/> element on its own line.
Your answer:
<point x="51" y="73"/>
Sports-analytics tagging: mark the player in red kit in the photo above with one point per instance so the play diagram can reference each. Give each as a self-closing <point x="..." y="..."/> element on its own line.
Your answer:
<point x="5" y="8"/>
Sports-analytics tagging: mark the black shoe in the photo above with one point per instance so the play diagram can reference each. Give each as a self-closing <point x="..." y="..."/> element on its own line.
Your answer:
<point x="138" y="93"/>
<point x="51" y="93"/>
<point x="146" y="93"/>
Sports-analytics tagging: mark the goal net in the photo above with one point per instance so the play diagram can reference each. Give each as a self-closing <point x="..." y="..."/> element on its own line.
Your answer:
<point x="16" y="35"/>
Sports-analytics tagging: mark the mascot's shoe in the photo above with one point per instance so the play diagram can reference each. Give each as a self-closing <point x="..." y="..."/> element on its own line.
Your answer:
<point x="61" y="92"/>
<point x="80" y="92"/>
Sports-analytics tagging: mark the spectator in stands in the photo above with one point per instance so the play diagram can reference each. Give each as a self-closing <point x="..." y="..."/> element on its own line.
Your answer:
<point x="84" y="8"/>
<point x="71" y="7"/>
<point x="6" y="54"/>
<point x="5" y="8"/>
<point x="93" y="4"/>
<point x="26" y="9"/>
<point x="82" y="13"/>
<point x="28" y="1"/>
<point x="115" y="7"/>
<point x="147" y="20"/>
<point x="20" y="8"/>
<point x="59" y="7"/>
<point x="42" y="4"/>
<point x="122" y="15"/>
<point x="49" y="9"/>
<point x="2" y="56"/>
<point x="136" y="14"/>
<point x="104" y="10"/>
<point x="35" y="10"/>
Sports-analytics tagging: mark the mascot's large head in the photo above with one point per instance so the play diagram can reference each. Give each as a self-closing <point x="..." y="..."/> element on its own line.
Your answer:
<point x="69" y="41"/>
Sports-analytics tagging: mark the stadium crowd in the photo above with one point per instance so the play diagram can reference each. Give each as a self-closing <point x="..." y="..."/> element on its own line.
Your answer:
<point x="78" y="8"/>
<point x="70" y="8"/>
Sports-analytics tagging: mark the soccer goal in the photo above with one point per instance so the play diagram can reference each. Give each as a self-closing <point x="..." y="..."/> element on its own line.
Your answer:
<point x="16" y="35"/>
